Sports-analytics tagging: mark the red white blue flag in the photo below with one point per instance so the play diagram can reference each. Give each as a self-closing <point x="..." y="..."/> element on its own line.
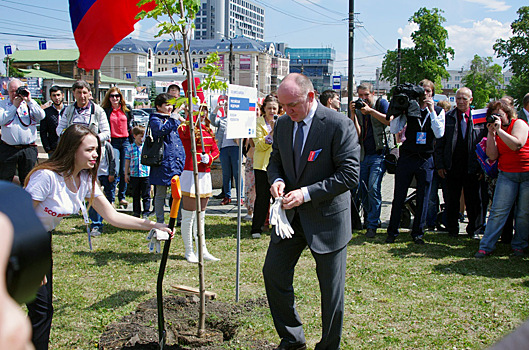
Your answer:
<point x="98" y="25"/>
<point x="479" y="116"/>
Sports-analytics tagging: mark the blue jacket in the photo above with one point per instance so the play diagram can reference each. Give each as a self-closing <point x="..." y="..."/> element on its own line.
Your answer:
<point x="173" y="154"/>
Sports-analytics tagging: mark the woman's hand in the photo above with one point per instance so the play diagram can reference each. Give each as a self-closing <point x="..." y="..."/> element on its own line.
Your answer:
<point x="164" y="227"/>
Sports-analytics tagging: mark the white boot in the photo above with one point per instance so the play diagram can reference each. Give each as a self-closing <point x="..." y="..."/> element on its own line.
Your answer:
<point x="188" y="218"/>
<point x="207" y="255"/>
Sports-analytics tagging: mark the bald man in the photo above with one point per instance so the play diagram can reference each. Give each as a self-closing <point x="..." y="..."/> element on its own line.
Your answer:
<point x="456" y="161"/>
<point x="315" y="161"/>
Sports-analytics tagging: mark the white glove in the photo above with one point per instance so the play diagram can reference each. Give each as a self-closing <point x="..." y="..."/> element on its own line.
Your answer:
<point x="155" y="236"/>
<point x="204" y="158"/>
<point x="278" y="218"/>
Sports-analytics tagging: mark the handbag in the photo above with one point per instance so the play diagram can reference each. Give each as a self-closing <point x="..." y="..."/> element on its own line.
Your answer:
<point x="391" y="157"/>
<point x="152" y="151"/>
<point x="490" y="168"/>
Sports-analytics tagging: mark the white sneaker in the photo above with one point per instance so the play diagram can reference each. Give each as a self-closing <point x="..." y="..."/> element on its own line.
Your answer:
<point x="95" y="232"/>
<point x="247" y="217"/>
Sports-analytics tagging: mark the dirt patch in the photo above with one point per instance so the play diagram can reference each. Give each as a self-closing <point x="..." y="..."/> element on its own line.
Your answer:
<point x="139" y="330"/>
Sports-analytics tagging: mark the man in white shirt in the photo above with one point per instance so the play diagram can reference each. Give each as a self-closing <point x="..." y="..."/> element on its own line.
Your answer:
<point x="19" y="116"/>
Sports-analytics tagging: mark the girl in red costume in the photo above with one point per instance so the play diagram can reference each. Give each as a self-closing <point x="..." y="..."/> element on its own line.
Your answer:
<point x="204" y="160"/>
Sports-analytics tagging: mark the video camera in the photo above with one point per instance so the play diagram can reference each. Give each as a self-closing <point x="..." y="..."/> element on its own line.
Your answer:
<point x="30" y="257"/>
<point x="405" y="101"/>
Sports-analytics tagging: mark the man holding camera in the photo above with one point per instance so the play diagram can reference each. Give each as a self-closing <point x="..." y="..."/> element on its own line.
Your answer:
<point x="371" y="117"/>
<point x="19" y="115"/>
<point x="456" y="161"/>
<point x="424" y="123"/>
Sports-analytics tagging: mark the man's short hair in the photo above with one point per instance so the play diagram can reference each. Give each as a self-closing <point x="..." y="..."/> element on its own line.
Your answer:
<point x="55" y="88"/>
<point x="161" y="99"/>
<point x="304" y="84"/>
<point x="326" y="95"/>
<point x="525" y="100"/>
<point x="365" y="86"/>
<point x="426" y="82"/>
<point x="173" y="86"/>
<point x="80" y="84"/>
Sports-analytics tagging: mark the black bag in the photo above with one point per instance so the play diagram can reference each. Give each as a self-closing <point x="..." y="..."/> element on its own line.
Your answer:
<point x="152" y="151"/>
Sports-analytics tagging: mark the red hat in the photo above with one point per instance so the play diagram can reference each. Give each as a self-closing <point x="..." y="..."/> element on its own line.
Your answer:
<point x="200" y="93"/>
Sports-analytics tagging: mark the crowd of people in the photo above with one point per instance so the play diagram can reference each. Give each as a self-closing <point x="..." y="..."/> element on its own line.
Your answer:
<point x="322" y="164"/>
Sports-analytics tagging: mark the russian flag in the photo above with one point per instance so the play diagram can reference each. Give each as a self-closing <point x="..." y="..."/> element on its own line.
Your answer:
<point x="479" y="116"/>
<point x="98" y="25"/>
<point x="252" y="107"/>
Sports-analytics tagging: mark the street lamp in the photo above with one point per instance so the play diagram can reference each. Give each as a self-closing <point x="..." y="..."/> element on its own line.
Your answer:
<point x="231" y="56"/>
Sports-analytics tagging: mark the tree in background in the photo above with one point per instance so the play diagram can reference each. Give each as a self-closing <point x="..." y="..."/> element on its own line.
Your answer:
<point x="152" y="93"/>
<point x="430" y="55"/>
<point x="483" y="79"/>
<point x="516" y="53"/>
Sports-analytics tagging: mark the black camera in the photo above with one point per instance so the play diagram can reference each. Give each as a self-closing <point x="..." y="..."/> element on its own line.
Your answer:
<point x="360" y="103"/>
<point x="30" y="257"/>
<point x="492" y="118"/>
<point x="405" y="100"/>
<point x="22" y="91"/>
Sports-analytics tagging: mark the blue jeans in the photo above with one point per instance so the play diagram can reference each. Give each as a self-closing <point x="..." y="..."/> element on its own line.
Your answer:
<point x="229" y="161"/>
<point x="433" y="200"/>
<point x="372" y="170"/>
<point x="108" y="190"/>
<point x="508" y="187"/>
<point x="120" y="145"/>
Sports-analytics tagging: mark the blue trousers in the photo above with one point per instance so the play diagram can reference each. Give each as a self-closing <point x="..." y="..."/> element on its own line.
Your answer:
<point x="120" y="144"/>
<point x="108" y="189"/>
<point x="229" y="161"/>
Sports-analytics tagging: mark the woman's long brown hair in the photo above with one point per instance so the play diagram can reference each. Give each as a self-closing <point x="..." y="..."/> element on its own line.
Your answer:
<point x="63" y="159"/>
<point x="106" y="100"/>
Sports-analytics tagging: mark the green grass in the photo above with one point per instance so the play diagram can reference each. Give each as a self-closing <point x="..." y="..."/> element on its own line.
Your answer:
<point x="399" y="296"/>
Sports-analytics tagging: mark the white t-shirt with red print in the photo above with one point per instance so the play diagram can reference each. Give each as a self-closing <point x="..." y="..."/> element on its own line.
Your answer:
<point x="56" y="199"/>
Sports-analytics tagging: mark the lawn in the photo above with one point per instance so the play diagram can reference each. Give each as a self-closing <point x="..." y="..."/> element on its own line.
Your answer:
<point x="400" y="296"/>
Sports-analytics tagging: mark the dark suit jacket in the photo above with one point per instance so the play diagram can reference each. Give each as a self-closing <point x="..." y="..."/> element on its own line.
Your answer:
<point x="326" y="219"/>
<point x="521" y="115"/>
<point x="444" y="147"/>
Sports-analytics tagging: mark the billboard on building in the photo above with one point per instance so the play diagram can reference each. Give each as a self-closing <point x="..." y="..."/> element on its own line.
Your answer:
<point x="245" y="62"/>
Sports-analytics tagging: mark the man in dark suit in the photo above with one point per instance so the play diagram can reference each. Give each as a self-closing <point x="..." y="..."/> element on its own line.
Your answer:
<point x="313" y="165"/>
<point x="524" y="112"/>
<point x="456" y="161"/>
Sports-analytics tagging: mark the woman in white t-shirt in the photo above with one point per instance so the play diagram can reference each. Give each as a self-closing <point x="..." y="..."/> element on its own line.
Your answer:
<point x="59" y="187"/>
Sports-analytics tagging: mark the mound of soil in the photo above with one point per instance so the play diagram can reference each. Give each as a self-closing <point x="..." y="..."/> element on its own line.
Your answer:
<point x="139" y="330"/>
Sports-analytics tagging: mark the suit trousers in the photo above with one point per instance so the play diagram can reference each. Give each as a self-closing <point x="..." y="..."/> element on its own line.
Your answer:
<point x="40" y="312"/>
<point x="262" y="200"/>
<point x="408" y="167"/>
<point x="471" y="186"/>
<point x="278" y="273"/>
<point x="13" y="159"/>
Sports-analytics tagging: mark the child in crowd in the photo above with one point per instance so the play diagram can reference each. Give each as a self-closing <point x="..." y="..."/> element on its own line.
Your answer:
<point x="137" y="174"/>
<point x="106" y="175"/>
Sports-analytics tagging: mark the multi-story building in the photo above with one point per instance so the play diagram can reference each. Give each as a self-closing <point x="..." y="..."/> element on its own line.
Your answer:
<point x="315" y="63"/>
<point x="219" y="19"/>
<point x="129" y="59"/>
<point x="254" y="63"/>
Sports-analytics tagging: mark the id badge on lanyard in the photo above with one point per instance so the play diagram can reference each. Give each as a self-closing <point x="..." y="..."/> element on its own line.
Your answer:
<point x="87" y="222"/>
<point x="421" y="135"/>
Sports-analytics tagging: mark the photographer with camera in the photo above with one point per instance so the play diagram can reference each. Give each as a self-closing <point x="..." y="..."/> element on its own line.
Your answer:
<point x="507" y="141"/>
<point x="456" y="161"/>
<point x="371" y="117"/>
<point x="425" y="122"/>
<point x="19" y="116"/>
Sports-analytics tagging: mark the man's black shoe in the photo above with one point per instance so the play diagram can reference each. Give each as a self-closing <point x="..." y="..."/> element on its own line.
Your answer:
<point x="219" y="196"/>
<point x="371" y="233"/>
<point x="390" y="239"/>
<point x="418" y="240"/>
<point x="292" y="347"/>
